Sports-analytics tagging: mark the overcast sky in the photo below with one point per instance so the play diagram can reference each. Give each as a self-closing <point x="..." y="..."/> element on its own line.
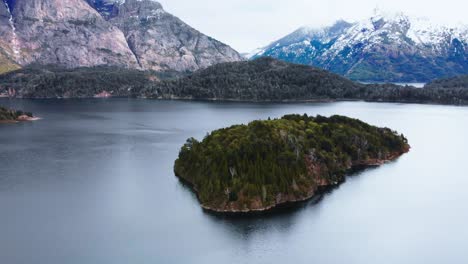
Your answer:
<point x="248" y="24"/>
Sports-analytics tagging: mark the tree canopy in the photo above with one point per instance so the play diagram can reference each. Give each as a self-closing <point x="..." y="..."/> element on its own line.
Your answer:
<point x="263" y="163"/>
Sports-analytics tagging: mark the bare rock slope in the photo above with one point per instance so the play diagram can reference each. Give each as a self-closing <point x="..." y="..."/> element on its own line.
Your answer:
<point x="75" y="33"/>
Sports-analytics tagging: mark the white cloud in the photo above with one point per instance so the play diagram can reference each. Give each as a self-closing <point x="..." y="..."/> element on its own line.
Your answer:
<point x="249" y="24"/>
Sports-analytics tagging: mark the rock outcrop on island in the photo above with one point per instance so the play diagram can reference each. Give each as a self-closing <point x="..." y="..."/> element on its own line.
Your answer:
<point x="8" y="115"/>
<point x="137" y="34"/>
<point x="267" y="164"/>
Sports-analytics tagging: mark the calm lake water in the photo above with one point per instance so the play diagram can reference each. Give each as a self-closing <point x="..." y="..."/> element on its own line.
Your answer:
<point x="416" y="85"/>
<point x="93" y="183"/>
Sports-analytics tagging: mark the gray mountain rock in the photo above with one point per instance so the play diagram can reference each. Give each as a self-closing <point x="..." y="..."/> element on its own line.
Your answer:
<point x="67" y="33"/>
<point x="75" y="33"/>
<point x="161" y="41"/>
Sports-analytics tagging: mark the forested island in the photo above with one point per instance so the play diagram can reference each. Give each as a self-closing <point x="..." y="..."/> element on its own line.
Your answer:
<point x="261" y="80"/>
<point x="266" y="164"/>
<point x="9" y="115"/>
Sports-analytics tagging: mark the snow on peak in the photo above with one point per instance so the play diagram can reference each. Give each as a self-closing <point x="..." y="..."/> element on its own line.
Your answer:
<point x="388" y="28"/>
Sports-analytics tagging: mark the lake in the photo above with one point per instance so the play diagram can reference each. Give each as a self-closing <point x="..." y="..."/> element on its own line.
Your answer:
<point x="93" y="183"/>
<point x="416" y="85"/>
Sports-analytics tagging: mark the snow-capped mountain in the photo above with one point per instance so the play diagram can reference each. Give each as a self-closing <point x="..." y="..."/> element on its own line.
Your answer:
<point x="385" y="47"/>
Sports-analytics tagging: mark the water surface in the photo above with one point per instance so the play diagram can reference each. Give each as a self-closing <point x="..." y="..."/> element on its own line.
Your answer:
<point x="93" y="183"/>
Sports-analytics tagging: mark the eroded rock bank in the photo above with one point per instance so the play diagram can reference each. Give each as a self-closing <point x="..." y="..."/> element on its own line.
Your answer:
<point x="13" y="116"/>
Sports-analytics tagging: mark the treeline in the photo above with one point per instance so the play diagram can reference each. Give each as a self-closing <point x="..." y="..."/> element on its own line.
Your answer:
<point x="252" y="164"/>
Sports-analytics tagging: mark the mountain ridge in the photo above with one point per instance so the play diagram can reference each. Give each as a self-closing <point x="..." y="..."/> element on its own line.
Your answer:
<point x="394" y="48"/>
<point x="137" y="34"/>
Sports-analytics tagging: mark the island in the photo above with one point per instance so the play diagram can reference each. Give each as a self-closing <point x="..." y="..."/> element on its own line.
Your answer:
<point x="274" y="163"/>
<point x="12" y="116"/>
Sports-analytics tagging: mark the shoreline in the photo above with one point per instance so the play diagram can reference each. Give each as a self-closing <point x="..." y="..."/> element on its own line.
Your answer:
<point x="20" y="119"/>
<point x="286" y="101"/>
<point x="320" y="190"/>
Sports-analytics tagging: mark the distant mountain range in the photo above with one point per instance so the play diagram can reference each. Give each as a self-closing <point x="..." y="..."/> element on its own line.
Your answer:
<point x="140" y="34"/>
<point x="394" y="48"/>
<point x="136" y="34"/>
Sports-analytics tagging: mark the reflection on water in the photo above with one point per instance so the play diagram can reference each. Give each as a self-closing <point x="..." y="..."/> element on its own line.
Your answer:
<point x="93" y="182"/>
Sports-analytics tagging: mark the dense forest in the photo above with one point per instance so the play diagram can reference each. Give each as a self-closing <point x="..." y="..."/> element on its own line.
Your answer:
<point x="38" y="81"/>
<point x="264" y="79"/>
<point x="267" y="79"/>
<point x="11" y="115"/>
<point x="258" y="80"/>
<point x="267" y="163"/>
<point x="453" y="82"/>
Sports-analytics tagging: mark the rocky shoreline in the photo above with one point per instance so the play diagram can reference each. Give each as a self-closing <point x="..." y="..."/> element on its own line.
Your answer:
<point x="291" y="201"/>
<point x="271" y="164"/>
<point x="13" y="116"/>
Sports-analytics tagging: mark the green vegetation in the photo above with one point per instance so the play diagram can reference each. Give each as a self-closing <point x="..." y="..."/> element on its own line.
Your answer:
<point x="11" y="115"/>
<point x="264" y="79"/>
<point x="38" y="81"/>
<point x="6" y="64"/>
<point x="267" y="79"/>
<point x="266" y="163"/>
<point x="449" y="83"/>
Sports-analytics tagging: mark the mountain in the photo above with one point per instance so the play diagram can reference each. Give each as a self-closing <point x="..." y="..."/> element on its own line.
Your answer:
<point x="136" y="34"/>
<point x="385" y="47"/>
<point x="161" y="41"/>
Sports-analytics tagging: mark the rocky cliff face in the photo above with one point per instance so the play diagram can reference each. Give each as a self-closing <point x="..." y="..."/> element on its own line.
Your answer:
<point x="133" y="34"/>
<point x="385" y="47"/>
<point x="161" y="41"/>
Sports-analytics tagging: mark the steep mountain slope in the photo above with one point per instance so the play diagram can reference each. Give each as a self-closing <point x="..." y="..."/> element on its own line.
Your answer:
<point x="135" y="34"/>
<point x="161" y="41"/>
<point x="68" y="33"/>
<point x="383" y="48"/>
